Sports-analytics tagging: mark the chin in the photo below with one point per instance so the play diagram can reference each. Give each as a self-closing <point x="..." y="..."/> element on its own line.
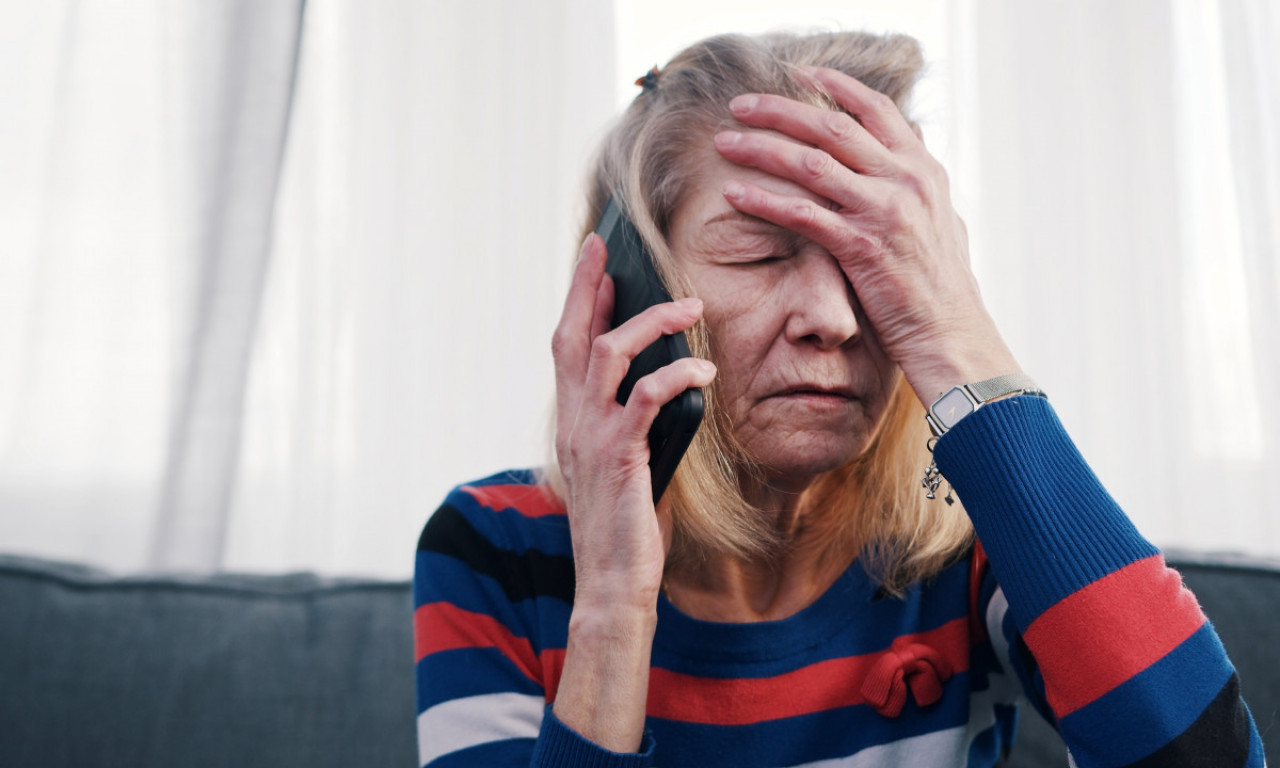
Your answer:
<point x="800" y="461"/>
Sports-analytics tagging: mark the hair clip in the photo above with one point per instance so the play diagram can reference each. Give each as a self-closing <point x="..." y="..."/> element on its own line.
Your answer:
<point x="650" y="79"/>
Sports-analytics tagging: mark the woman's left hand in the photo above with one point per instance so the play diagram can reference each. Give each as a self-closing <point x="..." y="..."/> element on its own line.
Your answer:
<point x="891" y="225"/>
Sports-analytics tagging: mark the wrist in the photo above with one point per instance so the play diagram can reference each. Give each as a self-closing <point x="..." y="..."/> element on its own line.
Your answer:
<point x="605" y="679"/>
<point x="594" y="621"/>
<point x="955" y="365"/>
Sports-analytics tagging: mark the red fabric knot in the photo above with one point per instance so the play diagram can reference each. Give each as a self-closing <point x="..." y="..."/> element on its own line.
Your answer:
<point x="914" y="665"/>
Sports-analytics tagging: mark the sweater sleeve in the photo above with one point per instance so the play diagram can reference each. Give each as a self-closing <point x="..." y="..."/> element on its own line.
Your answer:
<point x="1132" y="672"/>
<point x="493" y="588"/>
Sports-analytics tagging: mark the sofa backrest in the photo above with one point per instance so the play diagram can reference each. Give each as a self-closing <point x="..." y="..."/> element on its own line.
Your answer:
<point x="298" y="670"/>
<point x="278" y="671"/>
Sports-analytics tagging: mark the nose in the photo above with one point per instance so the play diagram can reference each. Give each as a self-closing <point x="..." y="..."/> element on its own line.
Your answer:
<point x="822" y="302"/>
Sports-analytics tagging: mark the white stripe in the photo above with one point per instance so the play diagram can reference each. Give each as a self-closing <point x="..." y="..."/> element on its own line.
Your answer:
<point x="996" y="610"/>
<point x="461" y="723"/>
<point x="949" y="747"/>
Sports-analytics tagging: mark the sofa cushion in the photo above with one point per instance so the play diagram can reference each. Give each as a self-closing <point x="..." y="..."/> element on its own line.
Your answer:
<point x="292" y="670"/>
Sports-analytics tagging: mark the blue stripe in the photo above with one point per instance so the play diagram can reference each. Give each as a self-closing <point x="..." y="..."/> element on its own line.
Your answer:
<point x="507" y="477"/>
<point x="1150" y="709"/>
<point x="466" y="672"/>
<point x="511" y="530"/>
<point x="505" y="752"/>
<point x="823" y="631"/>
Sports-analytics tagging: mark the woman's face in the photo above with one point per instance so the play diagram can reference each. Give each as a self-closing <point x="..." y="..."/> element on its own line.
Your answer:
<point x="801" y="376"/>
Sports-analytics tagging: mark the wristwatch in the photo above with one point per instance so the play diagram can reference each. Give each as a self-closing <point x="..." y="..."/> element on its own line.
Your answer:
<point x="948" y="410"/>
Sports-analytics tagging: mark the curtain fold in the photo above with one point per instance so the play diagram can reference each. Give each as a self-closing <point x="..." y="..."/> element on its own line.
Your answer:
<point x="272" y="281"/>
<point x="232" y="67"/>
<point x="426" y="230"/>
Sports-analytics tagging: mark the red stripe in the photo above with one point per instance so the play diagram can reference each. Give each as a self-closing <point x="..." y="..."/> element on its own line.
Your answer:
<point x="445" y="627"/>
<point x="739" y="701"/>
<point x="1102" y="635"/>
<point x="528" y="500"/>
<point x="977" y="572"/>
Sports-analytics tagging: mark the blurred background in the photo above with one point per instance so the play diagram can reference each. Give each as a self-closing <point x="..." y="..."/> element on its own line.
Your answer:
<point x="275" y="275"/>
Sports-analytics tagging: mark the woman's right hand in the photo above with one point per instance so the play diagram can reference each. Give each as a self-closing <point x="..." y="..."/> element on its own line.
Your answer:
<point x="620" y="541"/>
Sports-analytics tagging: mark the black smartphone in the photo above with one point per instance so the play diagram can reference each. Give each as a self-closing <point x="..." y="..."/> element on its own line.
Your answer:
<point x="636" y="287"/>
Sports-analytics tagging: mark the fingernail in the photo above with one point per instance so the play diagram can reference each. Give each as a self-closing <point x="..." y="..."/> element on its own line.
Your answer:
<point x="740" y="105"/>
<point x="727" y="138"/>
<point x="706" y="365"/>
<point x="733" y="190"/>
<point x="690" y="303"/>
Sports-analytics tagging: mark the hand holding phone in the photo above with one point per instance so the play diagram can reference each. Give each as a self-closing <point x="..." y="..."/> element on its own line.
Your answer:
<point x="636" y="287"/>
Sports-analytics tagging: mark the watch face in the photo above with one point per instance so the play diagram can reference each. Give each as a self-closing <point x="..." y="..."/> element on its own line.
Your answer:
<point x="952" y="407"/>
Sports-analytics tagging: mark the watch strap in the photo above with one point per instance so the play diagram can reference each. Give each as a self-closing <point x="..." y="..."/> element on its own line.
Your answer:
<point x="1001" y="386"/>
<point x="979" y="394"/>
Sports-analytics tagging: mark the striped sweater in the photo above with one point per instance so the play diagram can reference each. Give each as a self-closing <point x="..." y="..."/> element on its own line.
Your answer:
<point x="1063" y="605"/>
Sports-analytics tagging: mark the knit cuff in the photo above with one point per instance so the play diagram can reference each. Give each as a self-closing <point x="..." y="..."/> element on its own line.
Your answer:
<point x="1046" y="523"/>
<point x="559" y="745"/>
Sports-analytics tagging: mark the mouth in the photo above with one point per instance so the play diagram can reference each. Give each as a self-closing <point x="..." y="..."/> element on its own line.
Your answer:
<point x="817" y="391"/>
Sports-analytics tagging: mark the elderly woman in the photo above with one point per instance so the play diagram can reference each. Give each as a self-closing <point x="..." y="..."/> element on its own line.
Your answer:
<point x="796" y="597"/>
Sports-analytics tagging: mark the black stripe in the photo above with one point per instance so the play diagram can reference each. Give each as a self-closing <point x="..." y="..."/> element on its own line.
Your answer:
<point x="522" y="575"/>
<point x="1217" y="739"/>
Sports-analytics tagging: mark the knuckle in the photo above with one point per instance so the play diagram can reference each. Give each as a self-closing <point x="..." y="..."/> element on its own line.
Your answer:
<point x="882" y="103"/>
<point x="816" y="163"/>
<point x="559" y="343"/>
<point x="922" y="186"/>
<point x="839" y="125"/>
<point x="897" y="208"/>
<point x="801" y="213"/>
<point x="604" y="347"/>
<point x="646" y="392"/>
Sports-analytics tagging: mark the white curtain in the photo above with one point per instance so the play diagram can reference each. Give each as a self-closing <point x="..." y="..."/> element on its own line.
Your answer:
<point x="425" y="231"/>
<point x="1121" y="163"/>
<point x="139" y="177"/>
<point x="274" y="275"/>
<point x="271" y="280"/>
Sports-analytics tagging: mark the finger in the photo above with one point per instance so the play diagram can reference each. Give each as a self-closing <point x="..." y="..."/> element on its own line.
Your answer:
<point x="571" y="342"/>
<point x="836" y="132"/>
<point x="877" y="112"/>
<point x="612" y="352"/>
<point x="801" y="215"/>
<point x="659" y="388"/>
<point x="810" y="167"/>
<point x="603" y="319"/>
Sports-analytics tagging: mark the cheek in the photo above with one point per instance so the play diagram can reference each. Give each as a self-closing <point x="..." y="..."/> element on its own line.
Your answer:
<point x="741" y="337"/>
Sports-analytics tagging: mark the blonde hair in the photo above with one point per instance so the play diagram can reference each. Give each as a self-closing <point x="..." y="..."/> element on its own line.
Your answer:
<point x="874" y="505"/>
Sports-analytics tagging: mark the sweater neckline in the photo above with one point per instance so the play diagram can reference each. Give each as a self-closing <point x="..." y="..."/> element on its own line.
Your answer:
<point x="693" y="638"/>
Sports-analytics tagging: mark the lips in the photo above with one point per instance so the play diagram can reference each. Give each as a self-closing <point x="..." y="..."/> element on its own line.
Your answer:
<point x="816" y="389"/>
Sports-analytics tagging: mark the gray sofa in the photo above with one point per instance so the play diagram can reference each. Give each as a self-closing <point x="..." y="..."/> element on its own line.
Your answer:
<point x="298" y="670"/>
